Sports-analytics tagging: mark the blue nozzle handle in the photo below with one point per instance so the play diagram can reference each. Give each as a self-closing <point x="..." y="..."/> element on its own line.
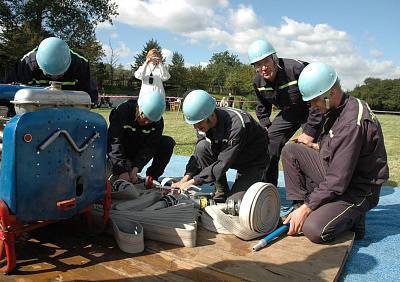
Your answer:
<point x="271" y="236"/>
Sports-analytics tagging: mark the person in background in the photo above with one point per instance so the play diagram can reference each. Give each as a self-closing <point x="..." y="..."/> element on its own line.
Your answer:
<point x="226" y="138"/>
<point x="135" y="137"/>
<point x="276" y="84"/>
<point x="152" y="73"/>
<point x="335" y="182"/>
<point x="231" y="101"/>
<point x="241" y="102"/>
<point x="53" y="60"/>
<point x="223" y="103"/>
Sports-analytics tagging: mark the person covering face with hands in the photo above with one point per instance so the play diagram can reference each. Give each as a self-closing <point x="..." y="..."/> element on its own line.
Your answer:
<point x="152" y="73"/>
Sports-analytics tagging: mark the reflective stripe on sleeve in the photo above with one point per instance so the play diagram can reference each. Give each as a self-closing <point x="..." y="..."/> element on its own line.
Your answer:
<point x="294" y="82"/>
<point x="360" y="111"/>
<point x="265" y="88"/>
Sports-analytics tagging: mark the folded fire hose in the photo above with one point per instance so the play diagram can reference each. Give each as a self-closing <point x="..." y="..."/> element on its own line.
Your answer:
<point x="138" y="213"/>
<point x="259" y="213"/>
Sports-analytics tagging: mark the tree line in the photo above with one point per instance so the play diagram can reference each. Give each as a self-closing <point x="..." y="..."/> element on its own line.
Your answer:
<point x="226" y="74"/>
<point x="23" y="24"/>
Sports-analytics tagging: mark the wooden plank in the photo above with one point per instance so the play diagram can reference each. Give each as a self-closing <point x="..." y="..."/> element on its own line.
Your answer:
<point x="291" y="258"/>
<point x="59" y="253"/>
<point x="63" y="253"/>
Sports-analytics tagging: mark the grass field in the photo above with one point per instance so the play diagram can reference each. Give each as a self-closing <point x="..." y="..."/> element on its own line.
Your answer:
<point x="185" y="137"/>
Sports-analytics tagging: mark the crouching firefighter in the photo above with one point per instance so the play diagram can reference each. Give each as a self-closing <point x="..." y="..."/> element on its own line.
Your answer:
<point x="334" y="183"/>
<point x="226" y="138"/>
<point x="135" y="137"/>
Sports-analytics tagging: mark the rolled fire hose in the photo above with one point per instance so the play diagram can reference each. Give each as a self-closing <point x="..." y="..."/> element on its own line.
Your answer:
<point x="258" y="215"/>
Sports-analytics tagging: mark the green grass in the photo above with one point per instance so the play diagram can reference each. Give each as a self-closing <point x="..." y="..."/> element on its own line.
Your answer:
<point x="185" y="138"/>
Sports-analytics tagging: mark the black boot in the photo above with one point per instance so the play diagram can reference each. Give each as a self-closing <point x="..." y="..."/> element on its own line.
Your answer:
<point x="221" y="190"/>
<point x="359" y="228"/>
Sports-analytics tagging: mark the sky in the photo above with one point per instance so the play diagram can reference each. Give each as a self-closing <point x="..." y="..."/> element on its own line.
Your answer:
<point x="360" y="39"/>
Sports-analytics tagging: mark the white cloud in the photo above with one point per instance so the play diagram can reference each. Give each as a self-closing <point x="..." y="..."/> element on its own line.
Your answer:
<point x="120" y="51"/>
<point x="105" y="25"/>
<point x="243" y="18"/>
<point x="201" y="64"/>
<point x="376" y="53"/>
<point x="167" y="55"/>
<point x="179" y="16"/>
<point x="218" y="24"/>
<point x="114" y="34"/>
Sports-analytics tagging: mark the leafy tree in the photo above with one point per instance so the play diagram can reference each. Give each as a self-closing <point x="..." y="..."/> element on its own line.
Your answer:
<point x="178" y="71"/>
<point x="197" y="78"/>
<point x="380" y="94"/>
<point x="225" y="58"/>
<point x="239" y="80"/>
<point x="141" y="57"/>
<point x="220" y="65"/>
<point x="25" y="23"/>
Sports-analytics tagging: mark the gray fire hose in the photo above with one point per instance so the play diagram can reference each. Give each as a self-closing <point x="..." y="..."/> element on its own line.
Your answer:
<point x="258" y="213"/>
<point x="175" y="221"/>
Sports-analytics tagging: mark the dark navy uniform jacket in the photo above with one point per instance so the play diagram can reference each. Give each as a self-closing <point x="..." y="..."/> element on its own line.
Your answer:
<point x="238" y="141"/>
<point x="353" y="151"/>
<point x="129" y="144"/>
<point x="284" y="93"/>
<point x="77" y="77"/>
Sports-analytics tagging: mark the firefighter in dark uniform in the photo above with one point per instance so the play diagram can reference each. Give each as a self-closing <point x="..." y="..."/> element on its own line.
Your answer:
<point x="227" y="138"/>
<point x="53" y="60"/>
<point x="135" y="137"/>
<point x="276" y="84"/>
<point x="340" y="178"/>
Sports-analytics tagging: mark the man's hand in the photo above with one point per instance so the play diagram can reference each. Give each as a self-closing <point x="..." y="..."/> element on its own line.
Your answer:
<point x="297" y="219"/>
<point x="124" y="176"/>
<point x="134" y="176"/>
<point x="304" y="139"/>
<point x="184" y="183"/>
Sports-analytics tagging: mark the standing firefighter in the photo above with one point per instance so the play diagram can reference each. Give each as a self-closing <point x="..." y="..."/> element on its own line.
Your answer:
<point x="340" y="178"/>
<point x="276" y="84"/>
<point x="226" y="138"/>
<point x="53" y="60"/>
<point x="135" y="137"/>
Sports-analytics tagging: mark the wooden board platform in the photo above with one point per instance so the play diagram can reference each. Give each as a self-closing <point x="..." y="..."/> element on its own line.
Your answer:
<point x="61" y="253"/>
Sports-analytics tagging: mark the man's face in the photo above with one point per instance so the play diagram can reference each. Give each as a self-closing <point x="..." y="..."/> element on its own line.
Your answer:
<point x="319" y="103"/>
<point x="203" y="125"/>
<point x="142" y="119"/>
<point x="267" y="68"/>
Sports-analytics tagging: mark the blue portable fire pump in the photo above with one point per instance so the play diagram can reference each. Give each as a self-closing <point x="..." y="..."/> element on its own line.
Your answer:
<point x="53" y="162"/>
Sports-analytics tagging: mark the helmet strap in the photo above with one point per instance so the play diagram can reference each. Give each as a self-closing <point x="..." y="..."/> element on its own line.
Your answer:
<point x="325" y="96"/>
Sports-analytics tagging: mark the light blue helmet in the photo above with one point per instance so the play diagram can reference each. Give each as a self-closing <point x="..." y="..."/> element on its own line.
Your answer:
<point x="316" y="79"/>
<point x="152" y="105"/>
<point x="197" y="106"/>
<point x="259" y="50"/>
<point x="53" y="56"/>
